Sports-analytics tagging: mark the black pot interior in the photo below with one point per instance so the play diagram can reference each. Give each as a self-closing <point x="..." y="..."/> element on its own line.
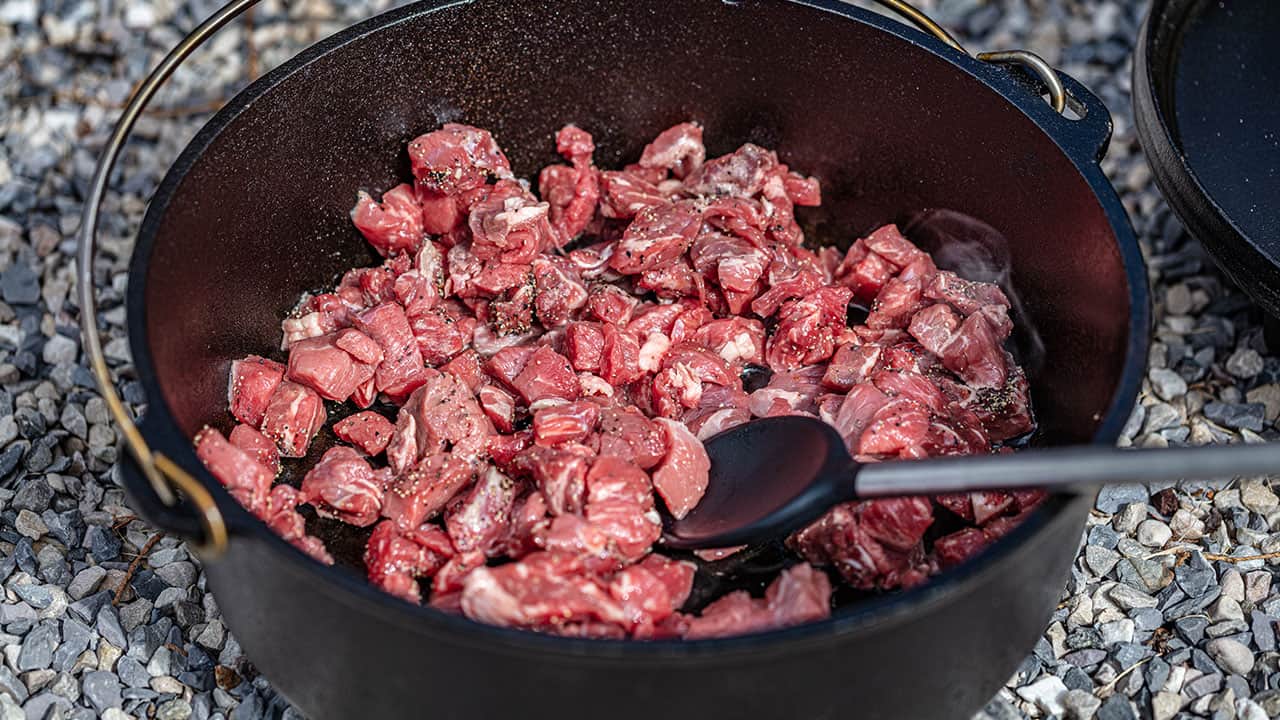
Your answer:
<point x="256" y="211"/>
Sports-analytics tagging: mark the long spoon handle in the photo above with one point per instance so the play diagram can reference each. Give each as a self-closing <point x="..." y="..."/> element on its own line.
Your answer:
<point x="1064" y="467"/>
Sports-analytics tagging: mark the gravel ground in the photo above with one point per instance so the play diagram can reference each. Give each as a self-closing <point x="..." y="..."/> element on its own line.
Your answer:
<point x="1169" y="612"/>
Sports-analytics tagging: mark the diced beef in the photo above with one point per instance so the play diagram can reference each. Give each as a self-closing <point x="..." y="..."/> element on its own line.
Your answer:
<point x="396" y="558"/>
<point x="249" y="389"/>
<point x="456" y="158"/>
<point x="738" y="340"/>
<point x="619" y="356"/>
<point x="624" y="194"/>
<point x="423" y="490"/>
<point x="658" y="236"/>
<point x="560" y="475"/>
<point x="499" y="406"/>
<point x="681" y="477"/>
<point x="326" y="365"/>
<point x="975" y="354"/>
<point x="568" y="422"/>
<point x="799" y="595"/>
<point x="558" y="291"/>
<point x="510" y="225"/>
<point x="292" y="417"/>
<point x="343" y="486"/>
<point x="889" y="243"/>
<point x="547" y="374"/>
<point x="239" y="471"/>
<point x="402" y="368"/>
<point x="393" y="226"/>
<point x="844" y="539"/>
<point x="440" y="414"/>
<point x="544" y="591"/>
<point x="741" y="173"/>
<point x="484" y="516"/>
<point x="259" y="446"/>
<point x="626" y="433"/>
<point x="678" y="149"/>
<point x="807" y="329"/>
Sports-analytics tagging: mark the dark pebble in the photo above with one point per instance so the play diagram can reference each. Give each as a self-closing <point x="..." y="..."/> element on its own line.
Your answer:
<point x="34" y="495"/>
<point x="25" y="556"/>
<point x="1117" y="707"/>
<point x="68" y="527"/>
<point x="188" y="613"/>
<point x="83" y="377"/>
<point x="148" y="585"/>
<point x="1077" y="679"/>
<point x="11" y="456"/>
<point x="1157" y="673"/>
<point x="1191" y="628"/>
<point x="40" y="456"/>
<point x="1083" y="638"/>
<point x="1086" y="657"/>
<point x="201" y="680"/>
<point x="1165" y="502"/>
<point x="1201" y="661"/>
<point x="134" y="394"/>
<point x="26" y="363"/>
<point x="20" y="285"/>
<point x="198" y="659"/>
<point x="1103" y="536"/>
<point x="1127" y="654"/>
<point x="103" y="544"/>
<point x="1264" y="631"/>
<point x="1238" y="416"/>
<point x="31" y="423"/>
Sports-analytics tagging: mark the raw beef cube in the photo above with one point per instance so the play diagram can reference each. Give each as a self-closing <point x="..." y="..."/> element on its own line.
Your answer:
<point x="933" y="327"/>
<point x="624" y="194"/>
<point x="678" y="149"/>
<point x="681" y="477"/>
<point x="249" y="389"/>
<point x="974" y="353"/>
<point x="321" y="364"/>
<point x="484" y="516"/>
<point x="898" y="428"/>
<point x="244" y="477"/>
<point x="258" y="446"/>
<point x="466" y="366"/>
<point x="850" y="365"/>
<point x="441" y="413"/>
<point x="738" y="340"/>
<point x="396" y="558"/>
<point x="856" y="412"/>
<point x="959" y="546"/>
<point x="584" y="345"/>
<point x="627" y="434"/>
<point x="507" y="363"/>
<point x="898" y="523"/>
<point x="741" y="173"/>
<point x="971" y="297"/>
<point x="658" y="236"/>
<point x="393" y="226"/>
<point x="499" y="406"/>
<point x="807" y="329"/>
<point x="510" y="225"/>
<point x="619" y="356"/>
<point x="292" y="417"/>
<point x="888" y="243"/>
<point x="559" y="291"/>
<point x="421" y="491"/>
<point x="343" y="486"/>
<point x="456" y="158"/>
<point x="799" y="595"/>
<point x="402" y="368"/>
<point x="544" y="591"/>
<point x="568" y="422"/>
<point x="548" y="374"/>
<point x="368" y="430"/>
<point x="611" y="304"/>
<point x="560" y="475"/>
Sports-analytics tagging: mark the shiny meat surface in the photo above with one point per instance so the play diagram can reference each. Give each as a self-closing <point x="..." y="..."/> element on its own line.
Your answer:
<point x="524" y="384"/>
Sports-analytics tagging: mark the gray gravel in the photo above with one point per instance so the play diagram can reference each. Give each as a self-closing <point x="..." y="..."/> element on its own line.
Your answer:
<point x="1154" y="623"/>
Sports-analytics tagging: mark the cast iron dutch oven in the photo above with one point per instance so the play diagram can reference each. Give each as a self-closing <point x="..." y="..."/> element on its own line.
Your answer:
<point x="890" y="119"/>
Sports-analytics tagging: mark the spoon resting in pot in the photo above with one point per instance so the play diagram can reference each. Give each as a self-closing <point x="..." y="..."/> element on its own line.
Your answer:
<point x="773" y="476"/>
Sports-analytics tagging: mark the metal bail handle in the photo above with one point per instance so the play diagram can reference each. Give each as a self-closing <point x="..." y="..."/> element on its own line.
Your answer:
<point x="163" y="474"/>
<point x="1025" y="58"/>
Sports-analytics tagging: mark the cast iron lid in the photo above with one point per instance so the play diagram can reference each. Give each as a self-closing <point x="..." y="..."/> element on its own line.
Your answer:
<point x="1207" y="104"/>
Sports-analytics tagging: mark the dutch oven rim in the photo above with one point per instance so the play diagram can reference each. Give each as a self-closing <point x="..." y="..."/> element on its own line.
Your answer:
<point x="890" y="608"/>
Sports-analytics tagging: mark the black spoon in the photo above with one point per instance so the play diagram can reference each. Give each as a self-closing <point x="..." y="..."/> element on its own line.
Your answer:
<point x="772" y="476"/>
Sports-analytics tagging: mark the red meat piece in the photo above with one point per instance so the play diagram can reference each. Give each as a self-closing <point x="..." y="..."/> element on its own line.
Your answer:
<point x="396" y="558"/>
<point x="889" y="243"/>
<point x="499" y="405"/>
<point x="737" y="340"/>
<point x="856" y="412"/>
<point x="1004" y="412"/>
<point x="678" y="149"/>
<point x="673" y="280"/>
<point x="558" y="291"/>
<point x="547" y="374"/>
<point x="510" y="225"/>
<point x="560" y="475"/>
<point x="484" y="516"/>
<point x="731" y="262"/>
<point x="896" y="303"/>
<point x="393" y="226"/>
<point x="584" y="345"/>
<point x="974" y="353"/>
<point x="839" y="538"/>
<point x="952" y="550"/>
<point x="864" y="272"/>
<point x="619" y="356"/>
<point x="368" y="430"/>
<point x="545" y="591"/>
<point x="741" y="173"/>
<point x="281" y="515"/>
<point x="441" y="413"/>
<point x="681" y="477"/>
<point x="402" y="368"/>
<point x="850" y="365"/>
<point x="293" y="416"/>
<point x="422" y="490"/>
<point x="244" y="477"/>
<point x="259" y="446"/>
<point x="507" y="363"/>
<point x="807" y="329"/>
<point x="799" y="595"/>
<point x="933" y="327"/>
<point x="971" y="297"/>
<point x="624" y="194"/>
<point x="626" y="433"/>
<point x="456" y="158"/>
<point x="573" y="191"/>
<point x="322" y="364"/>
<point x="904" y="383"/>
<point x="503" y="449"/>
<point x="343" y="486"/>
<point x="898" y="428"/>
<point x="250" y="386"/>
<point x="611" y="304"/>
<point x="466" y="366"/>
<point x="569" y="422"/>
<point x="656" y="237"/>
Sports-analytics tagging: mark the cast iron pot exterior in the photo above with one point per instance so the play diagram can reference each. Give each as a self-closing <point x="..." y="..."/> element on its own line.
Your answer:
<point x="890" y="120"/>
